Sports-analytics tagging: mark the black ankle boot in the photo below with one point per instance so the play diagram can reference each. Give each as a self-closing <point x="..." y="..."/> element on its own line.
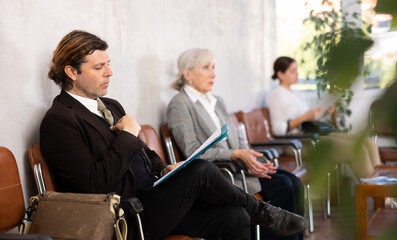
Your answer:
<point x="279" y="221"/>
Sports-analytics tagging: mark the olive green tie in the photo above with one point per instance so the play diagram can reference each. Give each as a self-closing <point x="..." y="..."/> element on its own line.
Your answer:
<point x="107" y="115"/>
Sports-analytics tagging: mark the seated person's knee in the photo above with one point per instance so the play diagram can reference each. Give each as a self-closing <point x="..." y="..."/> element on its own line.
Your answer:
<point x="201" y="166"/>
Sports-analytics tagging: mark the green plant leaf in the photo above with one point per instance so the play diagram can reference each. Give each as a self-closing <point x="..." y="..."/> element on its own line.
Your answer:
<point x="386" y="6"/>
<point x="348" y="112"/>
<point x="345" y="60"/>
<point x="337" y="45"/>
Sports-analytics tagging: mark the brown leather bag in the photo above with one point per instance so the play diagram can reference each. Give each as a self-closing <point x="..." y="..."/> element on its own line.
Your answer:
<point x="78" y="216"/>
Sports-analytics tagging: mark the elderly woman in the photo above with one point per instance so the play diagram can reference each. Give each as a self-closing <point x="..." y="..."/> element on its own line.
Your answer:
<point x="194" y="114"/>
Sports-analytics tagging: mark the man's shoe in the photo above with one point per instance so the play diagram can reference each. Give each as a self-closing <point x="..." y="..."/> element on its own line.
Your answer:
<point x="279" y="221"/>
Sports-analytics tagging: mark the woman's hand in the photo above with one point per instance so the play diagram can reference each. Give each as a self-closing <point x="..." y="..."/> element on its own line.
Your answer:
<point x="312" y="114"/>
<point x="331" y="109"/>
<point x="255" y="168"/>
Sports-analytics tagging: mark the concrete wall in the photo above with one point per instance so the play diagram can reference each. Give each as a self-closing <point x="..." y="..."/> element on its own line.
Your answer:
<point x="145" y="39"/>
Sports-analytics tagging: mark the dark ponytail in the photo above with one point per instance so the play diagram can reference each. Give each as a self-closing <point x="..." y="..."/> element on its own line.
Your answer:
<point x="281" y="65"/>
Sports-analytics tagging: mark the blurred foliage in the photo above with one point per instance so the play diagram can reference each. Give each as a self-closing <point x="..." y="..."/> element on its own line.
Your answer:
<point x="337" y="46"/>
<point x="388" y="111"/>
<point x="322" y="162"/>
<point x="388" y="7"/>
<point x="390" y="234"/>
<point x="339" y="49"/>
<point x="344" y="61"/>
<point x="383" y="68"/>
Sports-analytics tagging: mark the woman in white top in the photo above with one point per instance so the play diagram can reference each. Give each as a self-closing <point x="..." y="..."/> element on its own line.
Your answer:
<point x="287" y="110"/>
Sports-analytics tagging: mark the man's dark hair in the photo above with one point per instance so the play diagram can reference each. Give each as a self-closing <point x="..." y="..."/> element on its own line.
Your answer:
<point x="71" y="51"/>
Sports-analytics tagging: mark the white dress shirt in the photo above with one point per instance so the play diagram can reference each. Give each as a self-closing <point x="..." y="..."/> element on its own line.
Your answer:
<point x="207" y="100"/>
<point x="90" y="104"/>
<point x="284" y="105"/>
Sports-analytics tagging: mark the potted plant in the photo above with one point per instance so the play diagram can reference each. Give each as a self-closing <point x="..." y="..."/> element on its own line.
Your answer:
<point x="337" y="45"/>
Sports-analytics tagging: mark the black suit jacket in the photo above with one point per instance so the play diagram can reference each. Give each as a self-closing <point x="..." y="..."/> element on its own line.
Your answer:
<point x="84" y="155"/>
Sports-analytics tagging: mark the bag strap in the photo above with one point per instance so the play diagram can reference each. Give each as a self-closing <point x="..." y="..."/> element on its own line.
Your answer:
<point x="24" y="226"/>
<point x="121" y="229"/>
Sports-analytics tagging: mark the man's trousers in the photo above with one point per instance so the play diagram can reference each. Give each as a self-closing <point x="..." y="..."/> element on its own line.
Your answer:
<point x="197" y="201"/>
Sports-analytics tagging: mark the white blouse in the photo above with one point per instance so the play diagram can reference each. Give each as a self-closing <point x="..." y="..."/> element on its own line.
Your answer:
<point x="207" y="100"/>
<point x="284" y="105"/>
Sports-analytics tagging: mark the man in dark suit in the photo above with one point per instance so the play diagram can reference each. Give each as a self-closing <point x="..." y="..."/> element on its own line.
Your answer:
<point x="91" y="145"/>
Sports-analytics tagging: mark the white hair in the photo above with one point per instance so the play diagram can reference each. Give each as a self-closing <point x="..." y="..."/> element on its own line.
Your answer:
<point x="195" y="57"/>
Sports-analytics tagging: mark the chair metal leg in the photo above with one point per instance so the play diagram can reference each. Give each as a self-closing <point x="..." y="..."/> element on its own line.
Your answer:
<point x="329" y="194"/>
<point x="246" y="190"/>
<point x="337" y="176"/>
<point x="300" y="157"/>
<point x="258" y="232"/>
<point x="296" y="156"/>
<point x="276" y="162"/>
<point x="38" y="175"/>
<point x="139" y="223"/>
<point x="170" y="150"/>
<point x="310" y="208"/>
<point x="134" y="206"/>
<point x="244" y="181"/>
<point x="230" y="174"/>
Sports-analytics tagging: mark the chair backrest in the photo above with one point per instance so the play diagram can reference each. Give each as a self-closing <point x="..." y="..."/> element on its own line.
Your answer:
<point x="35" y="158"/>
<point x="174" y="154"/>
<point x="149" y="136"/>
<point x="379" y="126"/>
<point x="12" y="206"/>
<point x="268" y="123"/>
<point x="234" y="119"/>
<point x="240" y="127"/>
<point x="254" y="125"/>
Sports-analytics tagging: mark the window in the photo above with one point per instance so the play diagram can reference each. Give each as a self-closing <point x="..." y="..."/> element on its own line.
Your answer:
<point x="379" y="61"/>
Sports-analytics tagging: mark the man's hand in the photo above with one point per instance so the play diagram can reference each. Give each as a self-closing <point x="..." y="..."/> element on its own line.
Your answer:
<point x="255" y="168"/>
<point x="170" y="168"/>
<point x="128" y="124"/>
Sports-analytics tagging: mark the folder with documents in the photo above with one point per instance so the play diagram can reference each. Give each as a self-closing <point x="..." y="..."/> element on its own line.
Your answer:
<point x="218" y="135"/>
